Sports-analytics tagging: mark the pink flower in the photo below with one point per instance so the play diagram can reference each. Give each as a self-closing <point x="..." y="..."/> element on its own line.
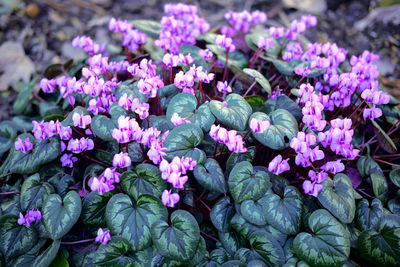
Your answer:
<point x="67" y="160"/>
<point x="122" y="160"/>
<point x="333" y="166"/>
<point x="317" y="177"/>
<point x="48" y="86"/>
<point x="277" y="165"/>
<point x="111" y="175"/>
<point x="177" y="180"/>
<point x="156" y="152"/>
<point x="312" y="189"/>
<point x="265" y="43"/>
<point x="259" y="126"/>
<point x="177" y="120"/>
<point x="206" y="54"/>
<point x="223" y="87"/>
<point x="225" y="42"/>
<point x="81" y="121"/>
<point x="103" y="236"/>
<point x="169" y="199"/>
<point x="372" y="113"/>
<point x="150" y="86"/>
<point x="79" y="145"/>
<point x="23" y="146"/>
<point x="100" y="185"/>
<point x="30" y="217"/>
<point x="277" y="32"/>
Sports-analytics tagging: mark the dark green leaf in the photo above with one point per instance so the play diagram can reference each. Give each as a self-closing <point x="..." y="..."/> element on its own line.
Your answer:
<point x="194" y="52"/>
<point x="22" y="100"/>
<point x="267" y="246"/>
<point x="367" y="215"/>
<point x="256" y="102"/>
<point x="8" y="132"/>
<point x="395" y="177"/>
<point x="383" y="139"/>
<point x="379" y="187"/>
<point x="149" y="27"/>
<point x="210" y="176"/>
<point x="113" y="254"/>
<point x="47" y="256"/>
<point x="236" y="58"/>
<point x="284" y="102"/>
<point x="33" y="193"/>
<point x="166" y="93"/>
<point x="103" y="127"/>
<point x="259" y="78"/>
<point x="221" y="214"/>
<point x="235" y="158"/>
<point x="366" y="166"/>
<point x="62" y="182"/>
<point x="94" y="208"/>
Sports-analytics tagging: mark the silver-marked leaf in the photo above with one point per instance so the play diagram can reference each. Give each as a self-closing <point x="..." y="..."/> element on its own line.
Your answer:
<point x="381" y="247"/>
<point x="47" y="256"/>
<point x="145" y="179"/>
<point x="166" y="93"/>
<point x="394" y="176"/>
<point x="329" y="243"/>
<point x="185" y="105"/>
<point x="211" y="176"/>
<point x="132" y="220"/>
<point x="268" y="247"/>
<point x="337" y="196"/>
<point x="283" y="213"/>
<point x="143" y="257"/>
<point x="290" y="258"/>
<point x="201" y="253"/>
<point x="15" y="239"/>
<point x="33" y="193"/>
<point x="235" y="115"/>
<point x="60" y="215"/>
<point x="283" y="127"/>
<point x="367" y="215"/>
<point x="159" y="122"/>
<point x="178" y="241"/>
<point x="366" y="166"/>
<point x="230" y="241"/>
<point x="194" y="53"/>
<point x="246" y="255"/>
<point x="221" y="214"/>
<point x="68" y="120"/>
<point x="61" y="182"/>
<point x="94" y="208"/>
<point x="245" y="183"/>
<point x="235" y="158"/>
<point x="113" y="254"/>
<point x="103" y="127"/>
<point x="183" y="140"/>
<point x="379" y="187"/>
<point x="236" y="58"/>
<point x="252" y="211"/>
<point x="149" y="27"/>
<point x="8" y="132"/>
<point x="394" y="204"/>
<point x="284" y="102"/>
<point x="259" y="78"/>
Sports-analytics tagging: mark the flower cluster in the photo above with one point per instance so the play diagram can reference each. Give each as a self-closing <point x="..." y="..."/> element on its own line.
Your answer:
<point x="131" y="38"/>
<point x="88" y="45"/>
<point x="313" y="108"/>
<point x="105" y="183"/>
<point x="225" y="42"/>
<point x="134" y="104"/>
<point x="186" y="81"/>
<point x="231" y="139"/>
<point x="241" y="22"/>
<point x="306" y="155"/>
<point x="171" y="60"/>
<point x="314" y="186"/>
<point x="30" y="217"/>
<point x="175" y="172"/>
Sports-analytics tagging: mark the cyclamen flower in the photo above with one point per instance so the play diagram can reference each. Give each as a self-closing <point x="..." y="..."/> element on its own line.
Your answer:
<point x="121" y="26"/>
<point x="333" y="166"/>
<point x="81" y="121"/>
<point x="169" y="199"/>
<point x="30" y="217"/>
<point x="122" y="160"/>
<point x="230" y="138"/>
<point x="206" y="54"/>
<point x="223" y="87"/>
<point x="175" y="171"/>
<point x="242" y="21"/>
<point x="258" y="126"/>
<point x="277" y="165"/>
<point x="111" y="175"/>
<point x="48" y="86"/>
<point x="317" y="177"/>
<point x="150" y="86"/>
<point x="312" y="188"/>
<point x="372" y="113"/>
<point x="225" y="42"/>
<point x="132" y="39"/>
<point x="277" y="32"/>
<point x="265" y="43"/>
<point x="67" y="160"/>
<point x="44" y="130"/>
<point x="103" y="236"/>
<point x="87" y="44"/>
<point x="177" y="120"/>
<point x="156" y="152"/>
<point x="79" y="145"/>
<point x="185" y="81"/>
<point x="100" y="185"/>
<point x="23" y="146"/>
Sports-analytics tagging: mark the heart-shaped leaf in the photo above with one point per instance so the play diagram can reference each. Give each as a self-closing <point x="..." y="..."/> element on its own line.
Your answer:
<point x="178" y="241"/>
<point x="221" y="214"/>
<point x="246" y="255"/>
<point x="15" y="239"/>
<point x="60" y="215"/>
<point x="182" y="142"/>
<point x="381" y="247"/>
<point x="103" y="127"/>
<point x="252" y="211"/>
<point x="283" y="213"/>
<point x="145" y="179"/>
<point x="185" y="105"/>
<point x="113" y="254"/>
<point x="166" y="93"/>
<point x="236" y="58"/>
<point x="62" y="182"/>
<point x="394" y="204"/>
<point x="283" y="127"/>
<point x="328" y="245"/>
<point x="337" y="196"/>
<point x="367" y="215"/>
<point x="210" y="176"/>
<point x="198" y="60"/>
<point x="159" y="122"/>
<point x="133" y="221"/>
<point x="394" y="176"/>
<point x="259" y="78"/>
<point x="7" y="135"/>
<point x="235" y="158"/>
<point x="230" y="241"/>
<point x="245" y="183"/>
<point x="366" y="166"/>
<point x="284" y="102"/>
<point x="33" y="193"/>
<point x="379" y="186"/>
<point x="149" y="27"/>
<point x="94" y="208"/>
<point x="43" y="259"/>
<point x="234" y="116"/>
<point x="47" y="256"/>
<point x="267" y="246"/>
<point x="252" y="42"/>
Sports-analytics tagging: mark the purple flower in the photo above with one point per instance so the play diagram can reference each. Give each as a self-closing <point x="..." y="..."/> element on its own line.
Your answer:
<point x="23" y="146"/>
<point x="132" y="39"/>
<point x="122" y="160"/>
<point x="121" y="26"/>
<point x="48" y="86"/>
<point x="309" y="20"/>
<point x="100" y="185"/>
<point x="372" y="113"/>
<point x="111" y="175"/>
<point x="223" y="87"/>
<point x="185" y="81"/>
<point x="277" y="32"/>
<point x="177" y="120"/>
<point x="225" y="42"/>
<point x="150" y="86"/>
<point x="230" y="138"/>
<point x="30" y="217"/>
<point x="333" y="166"/>
<point x="156" y="152"/>
<point x="67" y="160"/>
<point x="317" y="177"/>
<point x="259" y="126"/>
<point x="302" y="71"/>
<point x="206" y="54"/>
<point x="277" y="165"/>
<point x="81" y="121"/>
<point x="103" y="236"/>
<point x="312" y="189"/>
<point x="44" y="130"/>
<point x="79" y="145"/>
<point x="169" y="199"/>
<point x="265" y="43"/>
<point x="87" y="44"/>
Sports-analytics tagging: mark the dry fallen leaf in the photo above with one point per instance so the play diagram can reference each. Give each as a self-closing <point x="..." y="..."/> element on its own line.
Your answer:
<point x="14" y="64"/>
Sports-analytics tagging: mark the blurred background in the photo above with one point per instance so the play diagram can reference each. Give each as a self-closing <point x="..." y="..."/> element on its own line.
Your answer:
<point x="35" y="34"/>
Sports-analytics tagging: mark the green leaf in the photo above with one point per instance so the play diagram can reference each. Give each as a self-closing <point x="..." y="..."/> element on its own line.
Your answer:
<point x="143" y="257"/>
<point x="230" y="241"/>
<point x="33" y="193"/>
<point x="246" y="255"/>
<point x="259" y="78"/>
<point x="366" y="166"/>
<point x="185" y="105"/>
<point x="149" y="27"/>
<point x="267" y="246"/>
<point x="283" y="127"/>
<point x="245" y="183"/>
<point x="183" y="140"/>
<point x="379" y="187"/>
<point x="221" y="214"/>
<point x="252" y="211"/>
<point x="60" y="215"/>
<point x="337" y="196"/>
<point x="47" y="256"/>
<point x="201" y="253"/>
<point x="328" y="245"/>
<point x="8" y="132"/>
<point x="383" y="139"/>
<point x="103" y="127"/>
<point x="284" y="102"/>
<point x="256" y="101"/>
<point x="194" y="52"/>
<point x="15" y="239"/>
<point x="62" y="182"/>
<point x="234" y="116"/>
<point x="210" y="176"/>
<point x="59" y="261"/>
<point x="236" y="58"/>
<point x="283" y="213"/>
<point x="113" y="254"/>
<point x="235" y="158"/>
<point x="367" y="215"/>
<point x="394" y="176"/>
<point x="394" y="204"/>
<point x="23" y="97"/>
<point x="252" y="42"/>
<point x="166" y="93"/>
<point x="145" y="179"/>
<point x="381" y="247"/>
<point x="159" y="122"/>
<point x="178" y="241"/>
<point x="132" y="220"/>
<point x="94" y="208"/>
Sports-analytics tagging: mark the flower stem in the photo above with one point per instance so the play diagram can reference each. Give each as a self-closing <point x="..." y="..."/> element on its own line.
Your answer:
<point x="356" y="109"/>
<point x="77" y="242"/>
<point x="251" y="87"/>
<point x="9" y="193"/>
<point x="226" y="65"/>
